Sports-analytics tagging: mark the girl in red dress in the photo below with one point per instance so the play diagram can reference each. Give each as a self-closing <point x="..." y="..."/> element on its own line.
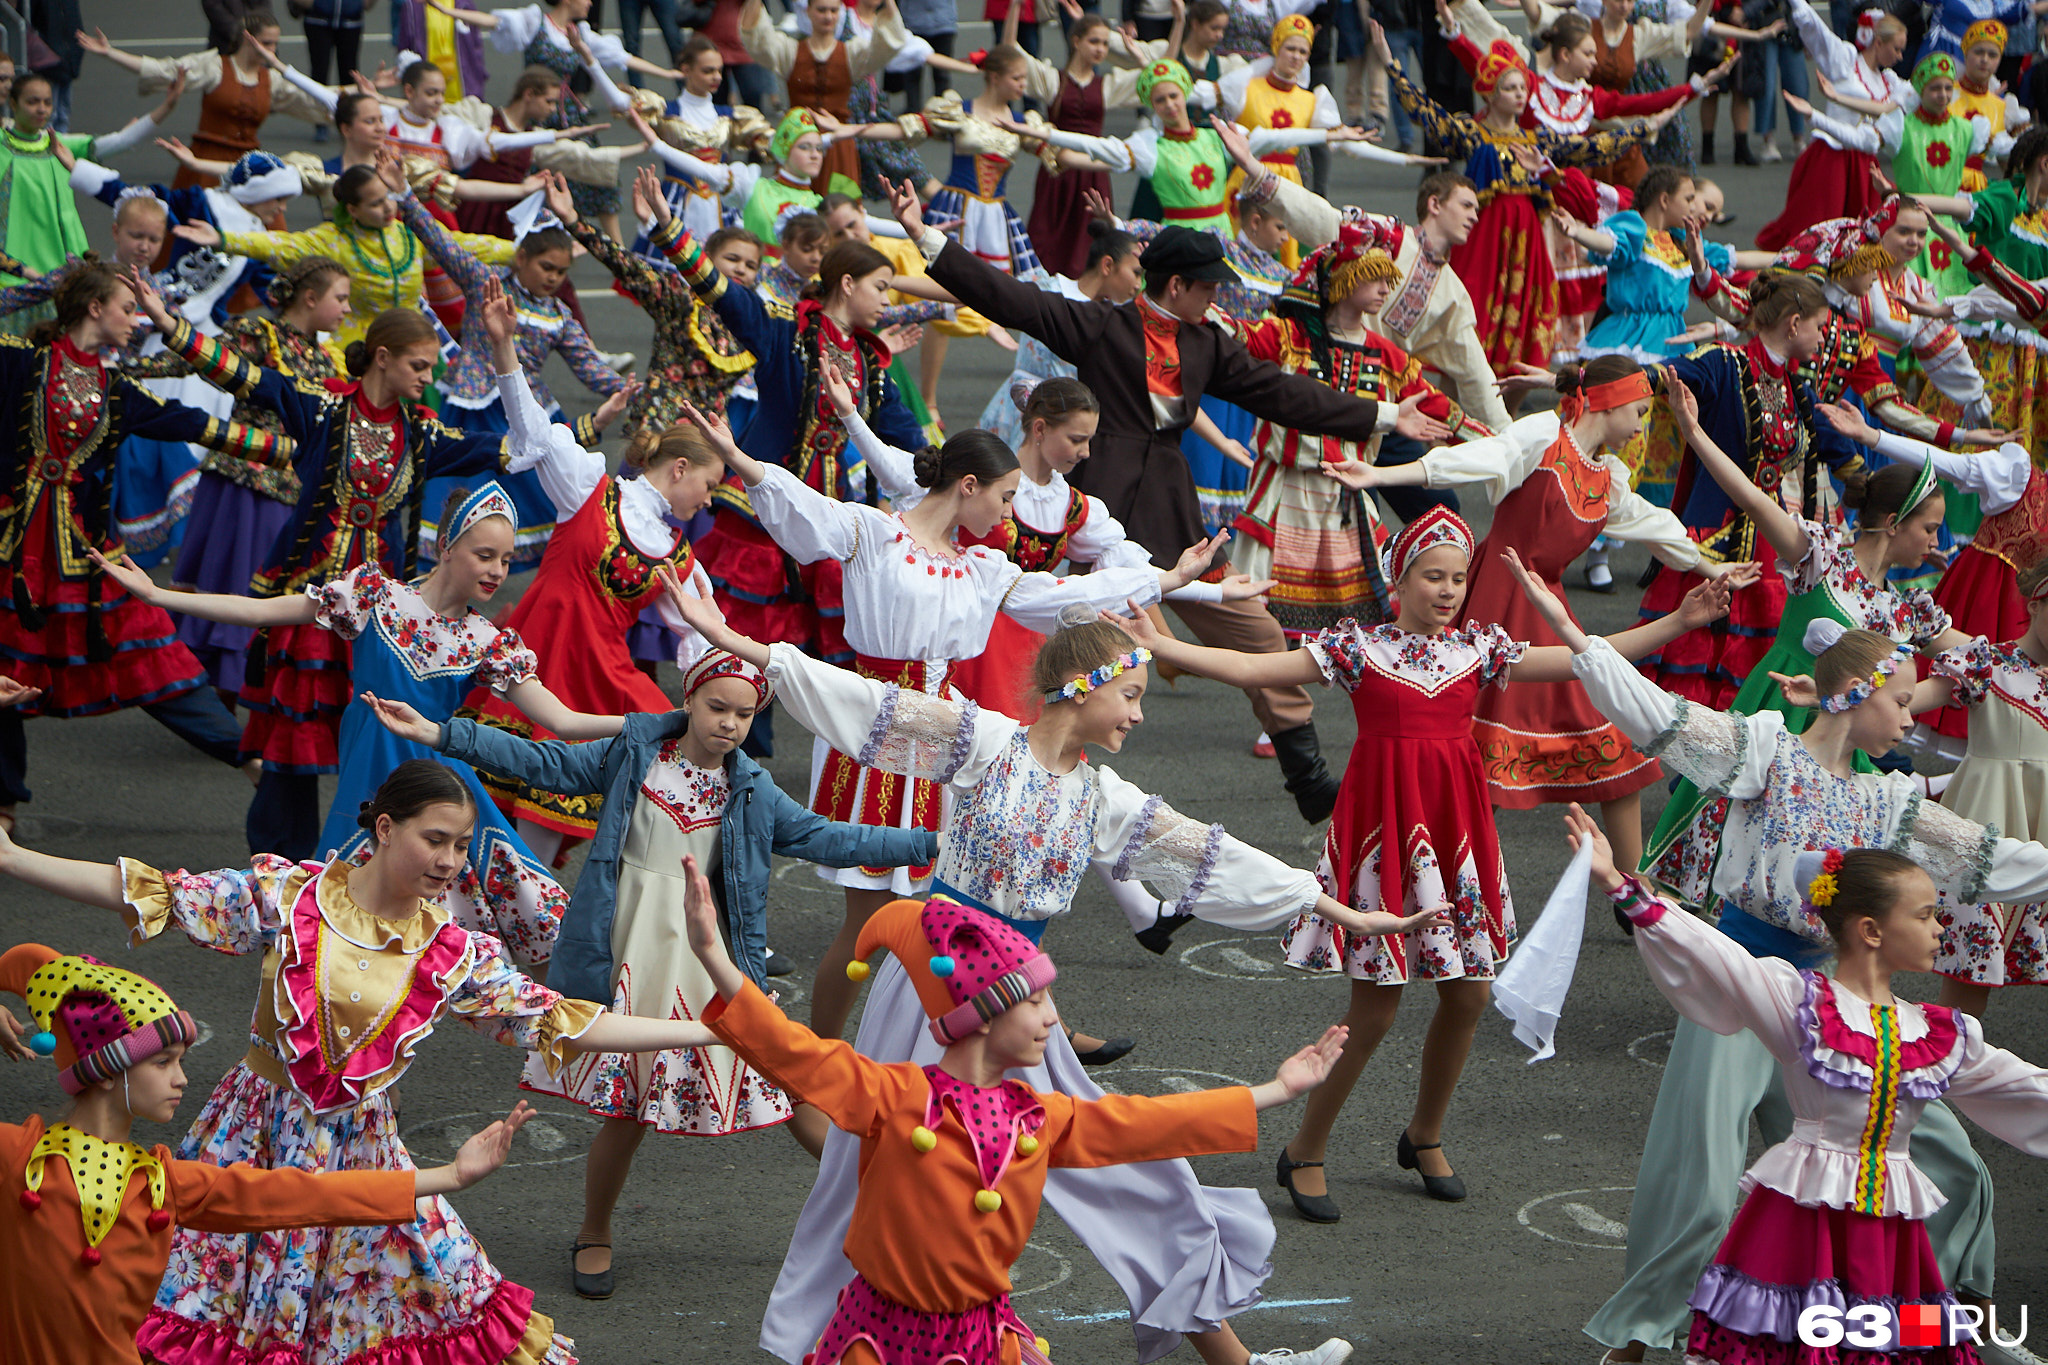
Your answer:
<point x="1415" y="778"/>
<point x="1557" y="485"/>
<point x="595" y="576"/>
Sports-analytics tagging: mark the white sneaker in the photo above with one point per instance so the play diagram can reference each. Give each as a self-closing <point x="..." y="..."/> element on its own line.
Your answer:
<point x="619" y="360"/>
<point x="1770" y="153"/>
<point x="1329" y="1353"/>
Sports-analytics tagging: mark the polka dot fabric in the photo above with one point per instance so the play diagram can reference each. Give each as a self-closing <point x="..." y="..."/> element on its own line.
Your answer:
<point x="904" y="1336"/>
<point x="101" y="1172"/>
<point x="994" y="1119"/>
<point x="105" y="1019"/>
<point x="983" y="950"/>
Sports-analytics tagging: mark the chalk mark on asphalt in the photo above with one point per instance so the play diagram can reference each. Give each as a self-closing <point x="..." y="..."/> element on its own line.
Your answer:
<point x="1238" y="963"/>
<point x="1582" y="1216"/>
<point x="546" y="1140"/>
<point x="1650" y="1042"/>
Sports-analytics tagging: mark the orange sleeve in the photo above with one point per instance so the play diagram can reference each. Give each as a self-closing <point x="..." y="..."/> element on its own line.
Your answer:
<point x="1123" y="1128"/>
<point x="251" y="1199"/>
<point x="856" y="1093"/>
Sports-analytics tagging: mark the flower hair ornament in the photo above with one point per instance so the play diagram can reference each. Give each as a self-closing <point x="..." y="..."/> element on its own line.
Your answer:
<point x="1821" y="635"/>
<point x="1866" y="27"/>
<point x="1080" y="687"/>
<point x="1817" y="873"/>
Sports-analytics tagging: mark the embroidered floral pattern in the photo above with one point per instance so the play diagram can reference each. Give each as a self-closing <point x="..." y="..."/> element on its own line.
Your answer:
<point x="432" y="645"/>
<point x="695" y="798"/>
<point x="1429" y="663"/>
<point x="1910" y="617"/>
<point x="1024" y="837"/>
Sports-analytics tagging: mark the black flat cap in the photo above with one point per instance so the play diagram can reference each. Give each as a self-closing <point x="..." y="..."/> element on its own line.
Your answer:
<point x="1189" y="254"/>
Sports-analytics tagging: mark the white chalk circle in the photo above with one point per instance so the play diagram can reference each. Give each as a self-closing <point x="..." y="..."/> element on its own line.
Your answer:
<point x="1242" y="959"/>
<point x="1042" y="1266"/>
<point x="1653" y="1049"/>
<point x="1161" y="1080"/>
<point x="1581" y="1218"/>
<point x="549" y="1138"/>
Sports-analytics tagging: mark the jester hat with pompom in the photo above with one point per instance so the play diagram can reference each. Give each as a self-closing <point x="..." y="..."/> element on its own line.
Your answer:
<point x="967" y="967"/>
<point x="99" y="1020"/>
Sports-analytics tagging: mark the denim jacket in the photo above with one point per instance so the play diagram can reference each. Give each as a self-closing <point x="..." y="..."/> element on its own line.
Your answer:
<point x="759" y="821"/>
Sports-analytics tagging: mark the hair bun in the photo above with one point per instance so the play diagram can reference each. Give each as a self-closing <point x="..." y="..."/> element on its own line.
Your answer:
<point x="1077" y="614"/>
<point x="356" y="359"/>
<point x="1571" y="377"/>
<point x="1822" y="634"/>
<point x="926" y="465"/>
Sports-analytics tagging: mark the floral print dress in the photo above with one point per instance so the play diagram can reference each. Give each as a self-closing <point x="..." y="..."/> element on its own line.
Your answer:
<point x="346" y="997"/>
<point x="1413" y="828"/>
<point x="402" y="649"/>
<point x="2002" y="781"/>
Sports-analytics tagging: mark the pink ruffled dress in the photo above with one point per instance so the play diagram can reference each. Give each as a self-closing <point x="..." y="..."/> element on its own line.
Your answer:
<point x="346" y="999"/>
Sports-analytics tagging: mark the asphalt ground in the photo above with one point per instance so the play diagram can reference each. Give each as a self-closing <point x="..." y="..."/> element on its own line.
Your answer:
<point x="1549" y="1151"/>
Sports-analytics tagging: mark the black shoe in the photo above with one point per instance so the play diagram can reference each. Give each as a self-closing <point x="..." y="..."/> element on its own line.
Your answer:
<point x="1308" y="779"/>
<point x="1317" y="1208"/>
<point x="598" y="1286"/>
<point x="1111" y="1050"/>
<point x="1744" y="156"/>
<point x="1706" y="149"/>
<point x="1159" y="936"/>
<point x="778" y="965"/>
<point x="1448" y="1188"/>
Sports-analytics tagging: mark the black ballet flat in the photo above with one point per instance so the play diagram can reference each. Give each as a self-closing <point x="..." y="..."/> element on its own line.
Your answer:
<point x="598" y="1286"/>
<point x="1316" y="1208"/>
<point x="1448" y="1188"/>
<point x="1157" y="937"/>
<point x="1111" y="1050"/>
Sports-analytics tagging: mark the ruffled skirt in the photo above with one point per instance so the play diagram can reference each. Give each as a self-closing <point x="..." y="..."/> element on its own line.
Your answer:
<point x="229" y="533"/>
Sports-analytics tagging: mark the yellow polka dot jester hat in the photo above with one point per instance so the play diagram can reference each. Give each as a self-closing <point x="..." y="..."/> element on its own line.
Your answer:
<point x="111" y="1020"/>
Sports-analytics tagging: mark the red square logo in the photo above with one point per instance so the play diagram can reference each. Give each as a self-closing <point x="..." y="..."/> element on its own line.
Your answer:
<point x="1919" y="1326"/>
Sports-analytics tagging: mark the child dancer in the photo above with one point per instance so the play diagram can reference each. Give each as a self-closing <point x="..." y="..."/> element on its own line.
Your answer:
<point x="1836" y="1212"/>
<point x="820" y="69"/>
<point x="1558" y="485"/>
<point x="763" y="196"/>
<point x="119" y="1042"/>
<point x="1413" y="827"/>
<point x="307" y="1097"/>
<point x="943" y="1136"/>
<point x="917" y="599"/>
<point x="710" y="132"/>
<point x="675" y="785"/>
<point x="1030" y="817"/>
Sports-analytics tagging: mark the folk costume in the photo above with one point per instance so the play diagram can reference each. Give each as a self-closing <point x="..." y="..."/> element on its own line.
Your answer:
<point x="1255" y="98"/>
<point x="761" y="197"/>
<point x="1058" y="226"/>
<point x="232" y="108"/>
<point x="84" y="1260"/>
<point x="539" y="40"/>
<point x="973" y="190"/>
<point x="1319" y="540"/>
<point x="1988" y="104"/>
<point x="709" y="132"/>
<point x="826" y="84"/>
<point x="1019" y="841"/>
<point x="39" y="222"/>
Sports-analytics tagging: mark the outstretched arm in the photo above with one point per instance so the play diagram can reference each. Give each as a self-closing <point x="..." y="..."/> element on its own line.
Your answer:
<point x="1785" y="532"/>
<point x="1289" y="668"/>
<point x="292" y="609"/>
<point x="1705" y="604"/>
<point x="540" y="705"/>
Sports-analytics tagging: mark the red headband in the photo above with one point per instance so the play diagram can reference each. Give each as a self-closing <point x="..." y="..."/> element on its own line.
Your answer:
<point x="1613" y="394"/>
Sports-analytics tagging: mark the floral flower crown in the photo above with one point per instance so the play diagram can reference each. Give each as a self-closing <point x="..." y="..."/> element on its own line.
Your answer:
<point x="1088" y="682"/>
<point x="1860" y="691"/>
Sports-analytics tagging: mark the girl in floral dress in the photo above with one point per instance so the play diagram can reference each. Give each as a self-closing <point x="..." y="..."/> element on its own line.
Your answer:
<point x="240" y="507"/>
<point x="1414" y="781"/>
<point x="1030" y="816"/>
<point x="360" y="964"/>
<point x="1829" y="571"/>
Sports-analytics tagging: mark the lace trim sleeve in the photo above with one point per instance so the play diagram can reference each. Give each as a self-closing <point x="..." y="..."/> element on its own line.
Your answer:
<point x="1177" y="855"/>
<point x="1956" y="852"/>
<point x="1705" y="745"/>
<point x="920" y="736"/>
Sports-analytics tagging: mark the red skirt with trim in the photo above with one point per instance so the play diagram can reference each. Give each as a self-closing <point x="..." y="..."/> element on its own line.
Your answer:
<point x="849" y="792"/>
<point x="768" y="596"/>
<point x="147" y="663"/>
<point x="1709" y="666"/>
<point x="1981" y="594"/>
<point x="1827" y="182"/>
<point x="298" y="687"/>
<point x="1506" y="266"/>
<point x="1000" y="679"/>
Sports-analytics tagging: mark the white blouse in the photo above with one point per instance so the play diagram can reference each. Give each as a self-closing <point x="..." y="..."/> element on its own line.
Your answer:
<point x="1826" y="1037"/>
<point x="461" y="141"/>
<point x="867" y="54"/>
<point x="903" y="601"/>
<point x="569" y="474"/>
<point x="1840" y="62"/>
<point x="517" y="27"/>
<point x="1140" y="151"/>
<point x="1230" y="91"/>
<point x="1502" y="463"/>
<point x="1998" y="477"/>
<point x="1020" y="837"/>
<point x="1783" y="803"/>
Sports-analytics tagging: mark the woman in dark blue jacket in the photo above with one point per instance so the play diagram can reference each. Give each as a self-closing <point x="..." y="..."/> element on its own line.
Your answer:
<point x="674" y="785"/>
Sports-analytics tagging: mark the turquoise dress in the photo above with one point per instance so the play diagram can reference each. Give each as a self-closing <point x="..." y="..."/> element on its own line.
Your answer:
<point x="404" y="650"/>
<point x="1649" y="285"/>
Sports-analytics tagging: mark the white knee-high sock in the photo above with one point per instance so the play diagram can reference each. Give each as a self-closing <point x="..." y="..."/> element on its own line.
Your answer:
<point x="1140" y="906"/>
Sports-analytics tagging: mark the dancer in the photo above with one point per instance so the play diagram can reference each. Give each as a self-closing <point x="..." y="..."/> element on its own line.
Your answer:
<point x="1415" y="780"/>
<point x="1978" y="95"/>
<point x="709" y="132"/>
<point x="1832" y="179"/>
<point x="240" y="506"/>
<point x="598" y="573"/>
<point x="916" y="600"/>
<point x="237" y="94"/>
<point x="820" y="70"/>
<point x="1786" y="794"/>
<point x="286" y="1106"/>
<point x="1270" y="93"/>
<point x="365" y="451"/>
<point x="1812" y="1208"/>
<point x="680" y="788"/>
<point x="1301" y="525"/>
<point x="1109" y="271"/>
<point x="1150" y="362"/>
<point x="1203" y="1251"/>
<point x="1558" y="482"/>
<point x="763" y="200"/>
<point x="79" y="646"/>
<point x="106" y="1025"/>
<point x="908" y="1282"/>
<point x="1503" y="261"/>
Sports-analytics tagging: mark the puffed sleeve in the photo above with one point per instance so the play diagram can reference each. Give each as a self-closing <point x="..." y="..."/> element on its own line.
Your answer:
<point x="1629" y="232"/>
<point x="507" y="662"/>
<point x="1498" y="652"/>
<point x="1826" y="551"/>
<point x="885" y="726"/>
<point x="1200" y="869"/>
<point x="515" y="28"/>
<point x="1339" y="651"/>
<point x="1722" y="754"/>
<point x="1713" y="981"/>
<point x="1969" y="668"/>
<point x="1923" y="619"/>
<point x="233" y="910"/>
<point x="2004" y="1094"/>
<point x="344" y="605"/>
<point x="504" y="1004"/>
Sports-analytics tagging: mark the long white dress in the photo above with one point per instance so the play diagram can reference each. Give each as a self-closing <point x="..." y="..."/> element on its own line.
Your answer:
<point x="910" y="615"/>
<point x="1186" y="1256"/>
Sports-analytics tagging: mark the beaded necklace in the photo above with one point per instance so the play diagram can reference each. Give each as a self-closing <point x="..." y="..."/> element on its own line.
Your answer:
<point x="397" y="272"/>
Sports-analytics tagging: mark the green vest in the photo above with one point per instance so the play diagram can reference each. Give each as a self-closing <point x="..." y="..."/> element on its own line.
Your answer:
<point x="1930" y="161"/>
<point x="1190" y="181"/>
<point x="773" y="200"/>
